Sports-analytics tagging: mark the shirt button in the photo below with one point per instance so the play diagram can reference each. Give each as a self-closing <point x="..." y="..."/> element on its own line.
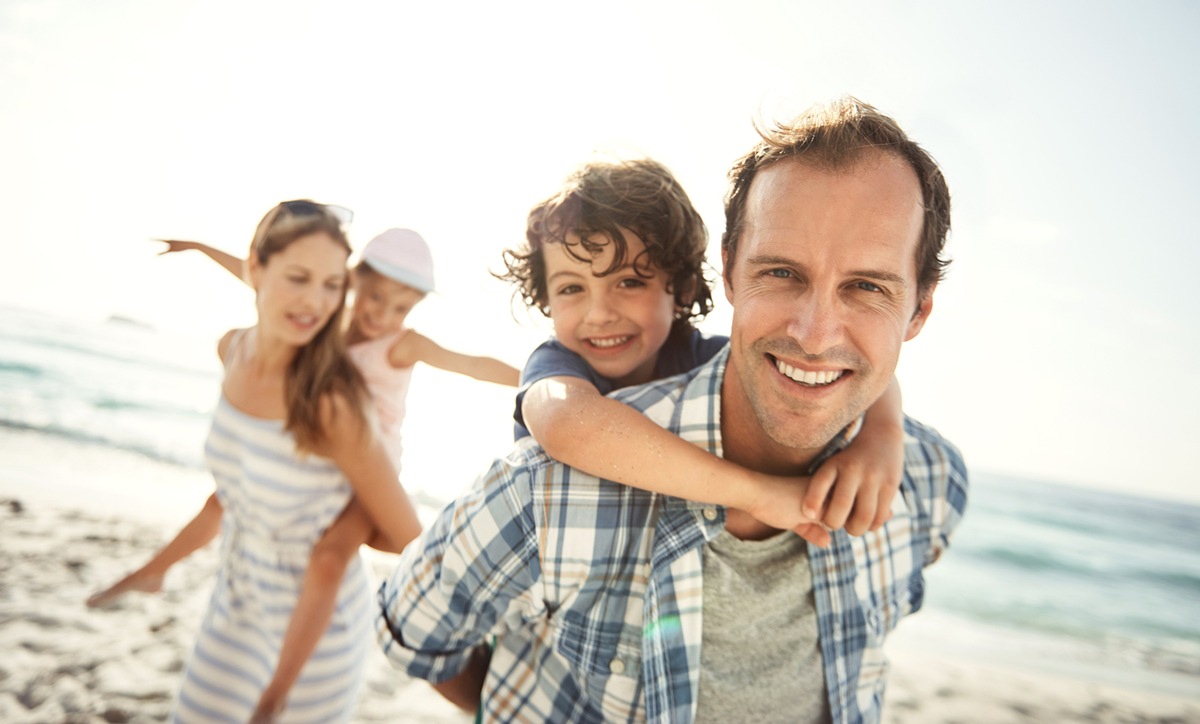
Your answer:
<point x="616" y="666"/>
<point x="710" y="513"/>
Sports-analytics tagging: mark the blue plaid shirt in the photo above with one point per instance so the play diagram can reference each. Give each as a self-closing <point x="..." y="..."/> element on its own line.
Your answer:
<point x="594" y="590"/>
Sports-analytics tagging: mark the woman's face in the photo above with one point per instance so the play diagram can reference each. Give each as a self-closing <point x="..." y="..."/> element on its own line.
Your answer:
<point x="300" y="287"/>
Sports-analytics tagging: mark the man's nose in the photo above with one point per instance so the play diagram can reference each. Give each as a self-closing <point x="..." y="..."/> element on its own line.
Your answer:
<point x="817" y="324"/>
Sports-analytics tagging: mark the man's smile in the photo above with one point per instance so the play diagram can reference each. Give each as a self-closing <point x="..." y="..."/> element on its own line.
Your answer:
<point x="808" y="378"/>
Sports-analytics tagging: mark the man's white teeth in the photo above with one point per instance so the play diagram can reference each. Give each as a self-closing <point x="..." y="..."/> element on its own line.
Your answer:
<point x="608" y="341"/>
<point x="823" y="377"/>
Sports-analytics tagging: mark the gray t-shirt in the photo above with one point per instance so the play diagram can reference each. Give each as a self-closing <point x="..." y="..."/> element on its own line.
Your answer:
<point x="760" y="658"/>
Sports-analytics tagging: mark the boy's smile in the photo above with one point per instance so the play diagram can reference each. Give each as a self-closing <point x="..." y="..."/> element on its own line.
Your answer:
<point x="617" y="322"/>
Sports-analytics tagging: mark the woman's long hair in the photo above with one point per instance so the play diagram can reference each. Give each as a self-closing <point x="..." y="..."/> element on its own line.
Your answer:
<point x="320" y="367"/>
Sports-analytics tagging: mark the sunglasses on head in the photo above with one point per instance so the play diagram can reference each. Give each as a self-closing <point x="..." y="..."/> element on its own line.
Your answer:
<point x="304" y="207"/>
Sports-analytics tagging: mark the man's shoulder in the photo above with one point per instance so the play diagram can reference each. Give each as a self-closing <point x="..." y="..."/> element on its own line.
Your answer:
<point x="529" y="467"/>
<point x="924" y="437"/>
<point x="664" y="400"/>
<point x="931" y="459"/>
<point x="684" y="404"/>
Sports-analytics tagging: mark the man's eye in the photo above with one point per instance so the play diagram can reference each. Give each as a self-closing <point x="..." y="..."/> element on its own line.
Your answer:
<point x="868" y="287"/>
<point x="779" y="273"/>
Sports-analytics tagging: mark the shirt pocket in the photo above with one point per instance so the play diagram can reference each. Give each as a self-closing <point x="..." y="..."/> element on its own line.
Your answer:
<point x="606" y="658"/>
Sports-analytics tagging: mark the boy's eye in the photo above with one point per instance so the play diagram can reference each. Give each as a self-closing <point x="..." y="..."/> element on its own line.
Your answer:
<point x="632" y="283"/>
<point x="333" y="286"/>
<point x="297" y="279"/>
<point x="570" y="289"/>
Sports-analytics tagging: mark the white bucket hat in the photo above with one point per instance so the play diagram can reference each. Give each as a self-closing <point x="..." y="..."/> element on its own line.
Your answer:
<point x="403" y="256"/>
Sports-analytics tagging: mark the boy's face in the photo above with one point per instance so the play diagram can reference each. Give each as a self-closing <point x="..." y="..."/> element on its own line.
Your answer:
<point x="380" y="304"/>
<point x="617" y="322"/>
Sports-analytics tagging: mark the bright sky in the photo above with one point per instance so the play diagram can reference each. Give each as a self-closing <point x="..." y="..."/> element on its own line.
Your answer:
<point x="1064" y="345"/>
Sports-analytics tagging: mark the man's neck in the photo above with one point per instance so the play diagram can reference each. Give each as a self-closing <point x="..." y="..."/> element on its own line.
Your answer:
<point x="744" y="442"/>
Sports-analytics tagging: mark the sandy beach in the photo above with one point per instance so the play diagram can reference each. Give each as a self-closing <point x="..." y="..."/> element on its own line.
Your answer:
<point x="61" y="662"/>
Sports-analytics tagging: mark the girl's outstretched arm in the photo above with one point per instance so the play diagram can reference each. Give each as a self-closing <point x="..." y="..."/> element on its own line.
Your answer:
<point x="149" y="578"/>
<point x="229" y="262"/>
<point x="865" y="476"/>
<point x="577" y="425"/>
<point x="414" y="347"/>
<point x="356" y="450"/>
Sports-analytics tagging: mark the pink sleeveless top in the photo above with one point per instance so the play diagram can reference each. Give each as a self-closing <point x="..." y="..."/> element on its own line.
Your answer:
<point x="388" y="386"/>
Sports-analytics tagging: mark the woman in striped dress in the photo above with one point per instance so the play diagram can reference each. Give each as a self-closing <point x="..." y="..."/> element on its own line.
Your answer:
<point x="290" y="444"/>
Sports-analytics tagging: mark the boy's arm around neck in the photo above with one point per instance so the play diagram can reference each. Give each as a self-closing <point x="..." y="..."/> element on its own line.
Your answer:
<point x="577" y="425"/>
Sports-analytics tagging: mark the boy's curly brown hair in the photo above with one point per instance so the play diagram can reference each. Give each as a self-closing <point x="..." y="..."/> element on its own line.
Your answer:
<point x="596" y="203"/>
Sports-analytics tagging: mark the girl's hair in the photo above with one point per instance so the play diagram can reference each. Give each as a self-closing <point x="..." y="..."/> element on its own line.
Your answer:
<point x="597" y="202"/>
<point x="320" y="367"/>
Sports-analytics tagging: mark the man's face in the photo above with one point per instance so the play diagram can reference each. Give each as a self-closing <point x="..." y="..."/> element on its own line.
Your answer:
<point x="823" y="289"/>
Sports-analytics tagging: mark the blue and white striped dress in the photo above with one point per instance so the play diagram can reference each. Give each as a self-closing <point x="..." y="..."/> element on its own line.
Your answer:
<point x="277" y="504"/>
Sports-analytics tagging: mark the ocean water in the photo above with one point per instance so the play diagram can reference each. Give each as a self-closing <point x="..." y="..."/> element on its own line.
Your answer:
<point x="113" y="383"/>
<point x="1057" y="571"/>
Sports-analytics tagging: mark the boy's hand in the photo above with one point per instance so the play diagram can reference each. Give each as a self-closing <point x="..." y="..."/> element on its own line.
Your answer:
<point x="864" y="479"/>
<point x="814" y="533"/>
<point x="778" y="504"/>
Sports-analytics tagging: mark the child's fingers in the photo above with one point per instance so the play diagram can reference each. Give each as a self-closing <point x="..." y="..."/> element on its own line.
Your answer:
<point x="814" y="533"/>
<point x="841" y="503"/>
<point x="863" y="514"/>
<point x="883" y="513"/>
<point x="818" y="489"/>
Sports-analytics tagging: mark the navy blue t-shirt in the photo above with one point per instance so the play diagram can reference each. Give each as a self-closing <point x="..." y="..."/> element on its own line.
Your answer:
<point x="680" y="353"/>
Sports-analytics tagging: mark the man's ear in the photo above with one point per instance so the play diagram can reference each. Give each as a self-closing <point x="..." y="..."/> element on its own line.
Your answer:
<point x="917" y="322"/>
<point x="725" y="275"/>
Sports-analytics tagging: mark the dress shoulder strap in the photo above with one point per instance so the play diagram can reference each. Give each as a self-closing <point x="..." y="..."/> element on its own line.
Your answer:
<point x="235" y="339"/>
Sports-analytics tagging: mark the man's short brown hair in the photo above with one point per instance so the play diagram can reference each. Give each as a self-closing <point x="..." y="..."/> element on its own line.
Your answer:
<point x="834" y="136"/>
